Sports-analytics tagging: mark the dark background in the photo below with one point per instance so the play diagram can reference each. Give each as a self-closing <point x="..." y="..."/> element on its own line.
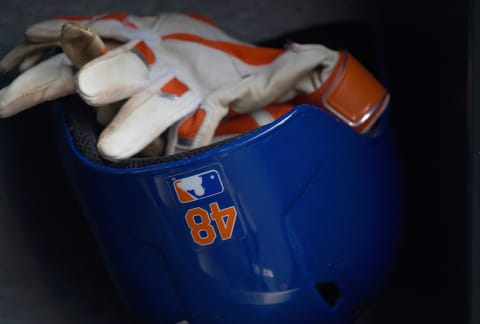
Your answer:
<point x="50" y="270"/>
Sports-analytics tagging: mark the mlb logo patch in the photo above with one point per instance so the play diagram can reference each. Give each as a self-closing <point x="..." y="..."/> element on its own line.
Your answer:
<point x="198" y="186"/>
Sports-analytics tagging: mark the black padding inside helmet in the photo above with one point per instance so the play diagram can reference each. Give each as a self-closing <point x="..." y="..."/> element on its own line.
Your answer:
<point x="84" y="131"/>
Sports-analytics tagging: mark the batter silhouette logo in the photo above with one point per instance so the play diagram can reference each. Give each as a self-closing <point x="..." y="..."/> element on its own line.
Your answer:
<point x="198" y="186"/>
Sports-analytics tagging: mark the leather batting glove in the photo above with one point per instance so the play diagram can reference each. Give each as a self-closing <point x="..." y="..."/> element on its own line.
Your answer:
<point x="182" y="73"/>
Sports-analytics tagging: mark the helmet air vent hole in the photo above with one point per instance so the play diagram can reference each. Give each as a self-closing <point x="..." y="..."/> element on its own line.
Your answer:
<point x="329" y="292"/>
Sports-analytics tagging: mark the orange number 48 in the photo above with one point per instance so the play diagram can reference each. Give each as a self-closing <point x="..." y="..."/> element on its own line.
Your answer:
<point x="200" y="220"/>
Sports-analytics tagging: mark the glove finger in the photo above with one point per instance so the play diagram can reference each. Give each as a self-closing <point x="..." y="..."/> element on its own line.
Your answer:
<point x="105" y="115"/>
<point x="50" y="30"/>
<point x="81" y="44"/>
<point x="32" y="60"/>
<point x="23" y="52"/>
<point x="117" y="75"/>
<point x="145" y="116"/>
<point x="118" y="26"/>
<point x="123" y="27"/>
<point x="48" y="80"/>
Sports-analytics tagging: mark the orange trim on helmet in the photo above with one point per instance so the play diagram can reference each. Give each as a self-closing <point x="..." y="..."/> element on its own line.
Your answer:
<point x="189" y="128"/>
<point x="144" y="50"/>
<point x="201" y="18"/>
<point x="175" y="87"/>
<point x="249" y="54"/>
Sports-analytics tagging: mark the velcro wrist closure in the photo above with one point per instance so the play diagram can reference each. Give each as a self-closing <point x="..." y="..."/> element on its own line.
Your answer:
<point x="353" y="95"/>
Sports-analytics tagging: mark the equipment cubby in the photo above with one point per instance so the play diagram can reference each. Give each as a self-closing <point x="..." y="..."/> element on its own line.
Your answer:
<point x="50" y="268"/>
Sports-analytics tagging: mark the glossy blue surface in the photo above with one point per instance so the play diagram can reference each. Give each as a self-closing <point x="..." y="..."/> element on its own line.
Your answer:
<point x="313" y="203"/>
